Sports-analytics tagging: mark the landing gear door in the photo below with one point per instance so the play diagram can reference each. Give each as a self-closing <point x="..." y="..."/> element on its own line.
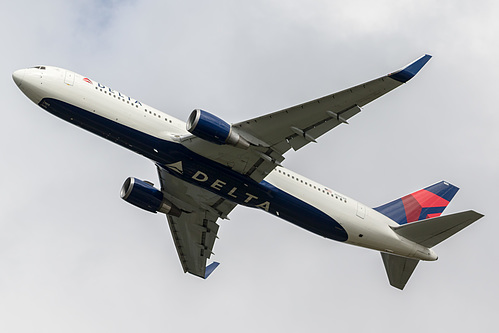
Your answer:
<point x="69" y="79"/>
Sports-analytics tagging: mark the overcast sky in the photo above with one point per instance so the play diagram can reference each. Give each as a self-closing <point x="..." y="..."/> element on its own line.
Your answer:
<point x="74" y="257"/>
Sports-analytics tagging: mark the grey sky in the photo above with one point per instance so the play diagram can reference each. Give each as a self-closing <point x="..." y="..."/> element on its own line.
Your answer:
<point x="74" y="257"/>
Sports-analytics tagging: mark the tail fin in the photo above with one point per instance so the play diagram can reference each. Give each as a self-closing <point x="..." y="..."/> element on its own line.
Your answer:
<point x="420" y="205"/>
<point x="398" y="269"/>
<point x="428" y="233"/>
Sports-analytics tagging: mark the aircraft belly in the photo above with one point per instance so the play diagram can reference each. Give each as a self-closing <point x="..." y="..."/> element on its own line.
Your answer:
<point x="203" y="172"/>
<point x="243" y="190"/>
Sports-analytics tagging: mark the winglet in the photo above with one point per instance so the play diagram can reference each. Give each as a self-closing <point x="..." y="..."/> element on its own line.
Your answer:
<point x="210" y="268"/>
<point x="410" y="70"/>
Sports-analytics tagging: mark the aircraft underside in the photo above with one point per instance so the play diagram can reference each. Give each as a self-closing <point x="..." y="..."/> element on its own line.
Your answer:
<point x="207" y="167"/>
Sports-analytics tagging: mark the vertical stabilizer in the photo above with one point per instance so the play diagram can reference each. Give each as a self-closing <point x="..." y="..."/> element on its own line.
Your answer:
<point x="398" y="269"/>
<point x="420" y="205"/>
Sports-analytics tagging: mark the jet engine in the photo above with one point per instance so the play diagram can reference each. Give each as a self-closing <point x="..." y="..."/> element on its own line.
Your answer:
<point x="213" y="129"/>
<point x="144" y="195"/>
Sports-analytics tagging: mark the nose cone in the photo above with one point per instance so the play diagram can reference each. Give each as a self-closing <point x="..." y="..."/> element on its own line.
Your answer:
<point x="18" y="76"/>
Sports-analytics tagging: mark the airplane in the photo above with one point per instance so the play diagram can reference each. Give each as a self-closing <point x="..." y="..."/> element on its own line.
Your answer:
<point x="207" y="167"/>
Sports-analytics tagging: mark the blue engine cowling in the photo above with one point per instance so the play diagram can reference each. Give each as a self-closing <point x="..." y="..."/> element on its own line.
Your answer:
<point x="144" y="195"/>
<point x="213" y="129"/>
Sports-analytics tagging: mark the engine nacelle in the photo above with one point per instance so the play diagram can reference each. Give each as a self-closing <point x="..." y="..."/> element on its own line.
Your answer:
<point x="213" y="129"/>
<point x="145" y="196"/>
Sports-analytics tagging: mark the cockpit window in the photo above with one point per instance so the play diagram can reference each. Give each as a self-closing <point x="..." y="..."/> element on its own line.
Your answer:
<point x="39" y="67"/>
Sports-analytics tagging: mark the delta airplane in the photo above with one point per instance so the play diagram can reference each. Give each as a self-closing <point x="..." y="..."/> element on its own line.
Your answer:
<point x="207" y="167"/>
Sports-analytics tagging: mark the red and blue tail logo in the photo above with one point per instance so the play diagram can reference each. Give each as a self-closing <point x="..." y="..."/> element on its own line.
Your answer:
<point x="420" y="205"/>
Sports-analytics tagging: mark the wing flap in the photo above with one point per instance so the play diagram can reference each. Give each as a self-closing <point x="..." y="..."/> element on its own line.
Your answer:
<point x="194" y="240"/>
<point x="335" y="119"/>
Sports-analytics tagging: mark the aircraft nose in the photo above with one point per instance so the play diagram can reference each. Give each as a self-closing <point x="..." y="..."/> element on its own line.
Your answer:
<point x="18" y="76"/>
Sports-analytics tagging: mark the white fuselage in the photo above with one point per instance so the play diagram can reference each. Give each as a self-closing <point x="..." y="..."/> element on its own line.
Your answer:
<point x="48" y="85"/>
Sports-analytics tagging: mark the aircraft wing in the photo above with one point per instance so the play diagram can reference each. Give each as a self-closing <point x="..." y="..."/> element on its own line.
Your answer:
<point x="299" y="125"/>
<point x="195" y="231"/>
<point x="274" y="134"/>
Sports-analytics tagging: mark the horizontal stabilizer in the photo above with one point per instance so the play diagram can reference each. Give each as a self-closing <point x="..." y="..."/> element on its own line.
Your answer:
<point x="432" y="231"/>
<point x="398" y="269"/>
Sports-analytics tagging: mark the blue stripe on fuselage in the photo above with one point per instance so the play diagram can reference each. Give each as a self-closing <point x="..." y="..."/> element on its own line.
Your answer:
<point x="203" y="172"/>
